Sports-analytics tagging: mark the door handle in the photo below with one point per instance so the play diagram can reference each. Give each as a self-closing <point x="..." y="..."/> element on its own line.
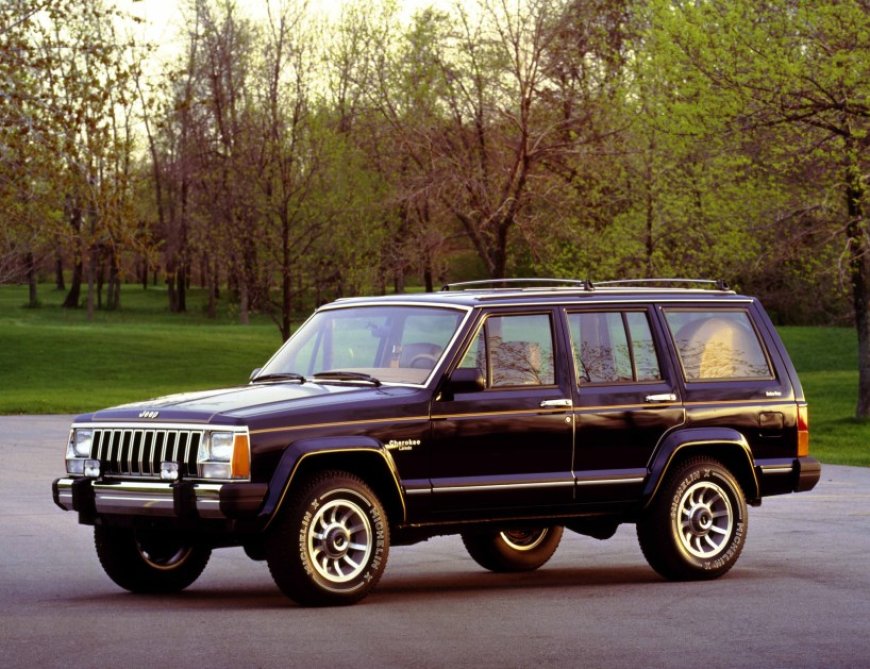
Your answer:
<point x="661" y="397"/>
<point x="557" y="404"/>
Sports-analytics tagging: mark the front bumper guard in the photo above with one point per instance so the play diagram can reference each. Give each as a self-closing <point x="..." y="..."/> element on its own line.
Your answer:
<point x="183" y="499"/>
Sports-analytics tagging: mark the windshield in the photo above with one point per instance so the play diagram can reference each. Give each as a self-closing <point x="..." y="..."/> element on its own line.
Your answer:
<point x="387" y="344"/>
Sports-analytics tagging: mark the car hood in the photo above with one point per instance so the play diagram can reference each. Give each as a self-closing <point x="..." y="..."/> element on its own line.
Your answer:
<point x="236" y="405"/>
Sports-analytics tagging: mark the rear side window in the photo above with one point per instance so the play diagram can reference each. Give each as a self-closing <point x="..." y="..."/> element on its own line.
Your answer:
<point x="717" y="345"/>
<point x="613" y="347"/>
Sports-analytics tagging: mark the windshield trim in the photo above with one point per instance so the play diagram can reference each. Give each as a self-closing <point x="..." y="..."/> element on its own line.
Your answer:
<point x="460" y="328"/>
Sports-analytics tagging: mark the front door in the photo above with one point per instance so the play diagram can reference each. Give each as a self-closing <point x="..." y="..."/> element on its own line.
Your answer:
<point x="508" y="446"/>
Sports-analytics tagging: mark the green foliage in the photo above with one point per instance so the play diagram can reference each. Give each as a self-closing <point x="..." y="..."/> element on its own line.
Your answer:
<point x="292" y="160"/>
<point x="345" y="200"/>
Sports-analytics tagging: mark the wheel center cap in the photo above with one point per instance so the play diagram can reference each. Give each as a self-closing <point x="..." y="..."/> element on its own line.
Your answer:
<point x="337" y="542"/>
<point x="702" y="521"/>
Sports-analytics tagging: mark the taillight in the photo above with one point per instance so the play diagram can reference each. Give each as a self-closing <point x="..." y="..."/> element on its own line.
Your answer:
<point x="803" y="430"/>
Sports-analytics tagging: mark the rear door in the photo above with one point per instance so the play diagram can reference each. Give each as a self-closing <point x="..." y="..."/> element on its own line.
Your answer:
<point x="626" y="398"/>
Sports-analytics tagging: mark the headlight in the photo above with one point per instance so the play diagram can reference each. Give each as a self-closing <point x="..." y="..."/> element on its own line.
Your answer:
<point x="78" y="449"/>
<point x="224" y="455"/>
<point x="80" y="442"/>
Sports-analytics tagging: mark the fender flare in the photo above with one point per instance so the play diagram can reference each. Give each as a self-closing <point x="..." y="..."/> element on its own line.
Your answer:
<point x="709" y="440"/>
<point x="299" y="451"/>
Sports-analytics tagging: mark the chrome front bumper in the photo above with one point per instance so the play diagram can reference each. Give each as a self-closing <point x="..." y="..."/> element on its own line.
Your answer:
<point x="152" y="498"/>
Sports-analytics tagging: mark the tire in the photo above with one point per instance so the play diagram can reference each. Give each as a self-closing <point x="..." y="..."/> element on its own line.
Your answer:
<point x="330" y="545"/>
<point x="696" y="526"/>
<point x="148" y="563"/>
<point x="512" y="550"/>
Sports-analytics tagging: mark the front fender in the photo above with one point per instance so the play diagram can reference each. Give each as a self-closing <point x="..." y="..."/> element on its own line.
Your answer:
<point x="726" y="444"/>
<point x="304" y="449"/>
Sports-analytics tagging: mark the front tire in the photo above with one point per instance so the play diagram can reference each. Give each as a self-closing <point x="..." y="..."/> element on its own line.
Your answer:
<point x="147" y="562"/>
<point x="330" y="546"/>
<point x="696" y="526"/>
<point x="512" y="550"/>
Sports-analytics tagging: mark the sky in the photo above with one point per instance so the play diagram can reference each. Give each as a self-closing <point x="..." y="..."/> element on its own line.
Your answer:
<point x="163" y="19"/>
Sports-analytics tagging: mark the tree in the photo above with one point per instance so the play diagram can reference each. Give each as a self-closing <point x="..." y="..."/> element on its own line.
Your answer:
<point x="289" y="159"/>
<point x="487" y="130"/>
<point x="69" y="106"/>
<point x="798" y="72"/>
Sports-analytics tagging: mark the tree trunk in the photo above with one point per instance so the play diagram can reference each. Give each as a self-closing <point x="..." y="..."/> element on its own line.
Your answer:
<point x="244" y="304"/>
<point x="73" y="297"/>
<point x="859" y="266"/>
<point x="58" y="270"/>
<point x="213" y="288"/>
<point x="286" y="280"/>
<point x="181" y="288"/>
<point x="113" y="299"/>
<point x="428" y="278"/>
<point x="92" y="270"/>
<point x="32" y="300"/>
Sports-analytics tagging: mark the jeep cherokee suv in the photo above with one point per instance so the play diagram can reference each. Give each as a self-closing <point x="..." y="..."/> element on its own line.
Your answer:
<point x="502" y="412"/>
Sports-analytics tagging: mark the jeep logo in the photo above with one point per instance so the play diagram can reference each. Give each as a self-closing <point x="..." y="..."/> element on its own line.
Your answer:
<point x="149" y="414"/>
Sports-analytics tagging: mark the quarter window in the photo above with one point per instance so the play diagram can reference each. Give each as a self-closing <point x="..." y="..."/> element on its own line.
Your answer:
<point x="613" y="347"/>
<point x="717" y="345"/>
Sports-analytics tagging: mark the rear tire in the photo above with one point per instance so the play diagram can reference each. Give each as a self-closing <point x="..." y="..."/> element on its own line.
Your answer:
<point x="696" y="526"/>
<point x="147" y="562"/>
<point x="513" y="550"/>
<point x="330" y="545"/>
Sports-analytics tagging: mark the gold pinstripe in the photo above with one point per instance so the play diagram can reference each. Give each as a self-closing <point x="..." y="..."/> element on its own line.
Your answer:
<point x="374" y="421"/>
<point x="516" y="412"/>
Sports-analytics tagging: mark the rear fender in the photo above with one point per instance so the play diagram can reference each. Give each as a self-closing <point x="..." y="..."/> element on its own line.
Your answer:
<point x="724" y="444"/>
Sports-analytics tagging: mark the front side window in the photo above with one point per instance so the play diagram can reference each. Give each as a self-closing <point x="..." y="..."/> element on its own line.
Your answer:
<point x="613" y="347"/>
<point x="717" y="345"/>
<point x="394" y="344"/>
<point x="514" y="351"/>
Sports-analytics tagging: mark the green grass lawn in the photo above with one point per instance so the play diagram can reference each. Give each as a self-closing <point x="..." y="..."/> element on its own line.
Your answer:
<point x="827" y="362"/>
<point x="53" y="360"/>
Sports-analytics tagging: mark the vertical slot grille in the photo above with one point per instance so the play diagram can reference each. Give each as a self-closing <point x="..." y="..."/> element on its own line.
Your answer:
<point x="139" y="452"/>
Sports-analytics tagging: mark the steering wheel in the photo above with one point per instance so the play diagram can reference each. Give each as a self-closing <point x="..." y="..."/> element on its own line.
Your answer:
<point x="423" y="361"/>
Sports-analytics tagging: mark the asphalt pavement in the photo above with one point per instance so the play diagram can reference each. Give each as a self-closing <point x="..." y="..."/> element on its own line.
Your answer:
<point x="798" y="597"/>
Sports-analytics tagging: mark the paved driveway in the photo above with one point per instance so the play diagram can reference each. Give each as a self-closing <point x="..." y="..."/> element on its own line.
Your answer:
<point x="798" y="597"/>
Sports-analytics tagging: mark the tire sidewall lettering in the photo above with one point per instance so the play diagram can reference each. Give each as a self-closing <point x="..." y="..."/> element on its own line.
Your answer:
<point x="378" y="531"/>
<point x="735" y="542"/>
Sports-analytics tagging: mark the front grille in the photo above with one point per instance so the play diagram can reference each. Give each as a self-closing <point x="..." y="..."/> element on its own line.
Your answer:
<point x="139" y="452"/>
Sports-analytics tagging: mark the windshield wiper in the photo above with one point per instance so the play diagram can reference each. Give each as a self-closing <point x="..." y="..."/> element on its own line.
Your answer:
<point x="340" y="375"/>
<point x="279" y="376"/>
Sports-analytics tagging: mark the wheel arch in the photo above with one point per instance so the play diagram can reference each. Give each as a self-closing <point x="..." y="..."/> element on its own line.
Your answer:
<point x="362" y="456"/>
<point x="726" y="445"/>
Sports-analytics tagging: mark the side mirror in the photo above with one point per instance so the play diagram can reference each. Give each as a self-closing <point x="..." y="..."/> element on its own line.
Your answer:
<point x="466" y="380"/>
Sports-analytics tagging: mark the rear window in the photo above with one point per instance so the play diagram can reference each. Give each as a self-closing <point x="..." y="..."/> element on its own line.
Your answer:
<point x="717" y="345"/>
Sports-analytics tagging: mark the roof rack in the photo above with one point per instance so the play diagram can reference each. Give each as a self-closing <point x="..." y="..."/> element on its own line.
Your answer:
<point x="587" y="284"/>
<point x="506" y="284"/>
<point x="720" y="284"/>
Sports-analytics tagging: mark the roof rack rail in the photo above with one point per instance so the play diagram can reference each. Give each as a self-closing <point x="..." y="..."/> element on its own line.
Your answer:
<point x="720" y="284"/>
<point x="529" y="282"/>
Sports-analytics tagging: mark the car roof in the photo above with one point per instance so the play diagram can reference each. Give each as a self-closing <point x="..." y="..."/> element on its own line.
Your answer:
<point x="476" y="294"/>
